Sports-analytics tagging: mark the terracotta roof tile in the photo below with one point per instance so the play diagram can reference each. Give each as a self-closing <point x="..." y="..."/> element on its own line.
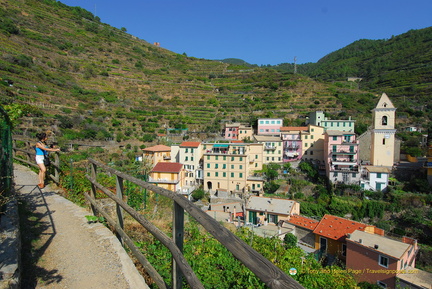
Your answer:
<point x="293" y="128"/>
<point x="190" y="144"/>
<point x="158" y="148"/>
<point x="304" y="222"/>
<point x="162" y="167"/>
<point x="335" y="228"/>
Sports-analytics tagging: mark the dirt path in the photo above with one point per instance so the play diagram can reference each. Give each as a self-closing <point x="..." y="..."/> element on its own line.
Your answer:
<point x="69" y="252"/>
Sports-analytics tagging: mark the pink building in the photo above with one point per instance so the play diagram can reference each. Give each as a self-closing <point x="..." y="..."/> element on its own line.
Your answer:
<point x="378" y="258"/>
<point x="341" y="155"/>
<point x="292" y="142"/>
<point x="237" y="131"/>
<point x="232" y="130"/>
<point x="269" y="126"/>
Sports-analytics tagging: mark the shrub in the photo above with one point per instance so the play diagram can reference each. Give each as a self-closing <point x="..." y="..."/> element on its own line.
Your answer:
<point x="290" y="241"/>
<point x="198" y="194"/>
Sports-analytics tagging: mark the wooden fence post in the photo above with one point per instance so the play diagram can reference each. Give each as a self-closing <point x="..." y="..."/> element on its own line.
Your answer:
<point x="93" y="174"/>
<point x="119" y="210"/>
<point x="57" y="168"/>
<point x="178" y="238"/>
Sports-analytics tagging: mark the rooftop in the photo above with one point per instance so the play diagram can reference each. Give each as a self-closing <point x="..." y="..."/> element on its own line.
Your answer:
<point x="162" y="167"/>
<point x="272" y="205"/>
<point x="158" y="148"/>
<point x="416" y="277"/>
<point x="190" y="144"/>
<point x="389" y="247"/>
<point x="373" y="169"/>
<point x="262" y="138"/>
<point x="337" y="132"/>
<point x="335" y="228"/>
<point x="293" y="128"/>
<point x="301" y="221"/>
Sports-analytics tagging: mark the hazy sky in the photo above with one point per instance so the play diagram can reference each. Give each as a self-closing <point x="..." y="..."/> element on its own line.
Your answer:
<point x="260" y="31"/>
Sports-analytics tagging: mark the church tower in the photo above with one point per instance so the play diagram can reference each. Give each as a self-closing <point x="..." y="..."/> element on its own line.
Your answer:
<point x="383" y="133"/>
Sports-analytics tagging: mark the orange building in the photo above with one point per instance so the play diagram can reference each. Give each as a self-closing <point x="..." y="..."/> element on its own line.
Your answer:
<point x="331" y="233"/>
<point x="170" y="176"/>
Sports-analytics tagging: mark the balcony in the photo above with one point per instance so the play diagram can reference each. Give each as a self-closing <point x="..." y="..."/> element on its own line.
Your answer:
<point x="269" y="148"/>
<point x="343" y="152"/>
<point x="345" y="169"/>
<point x="163" y="181"/>
<point x="344" y="162"/>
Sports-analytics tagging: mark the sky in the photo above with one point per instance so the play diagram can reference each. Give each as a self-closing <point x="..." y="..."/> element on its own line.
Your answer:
<point x="260" y="31"/>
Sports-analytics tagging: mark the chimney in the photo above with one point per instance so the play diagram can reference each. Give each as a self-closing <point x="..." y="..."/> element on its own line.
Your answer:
<point x="360" y="241"/>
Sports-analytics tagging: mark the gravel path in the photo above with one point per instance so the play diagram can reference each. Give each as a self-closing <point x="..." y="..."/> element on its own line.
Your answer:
<point x="71" y="253"/>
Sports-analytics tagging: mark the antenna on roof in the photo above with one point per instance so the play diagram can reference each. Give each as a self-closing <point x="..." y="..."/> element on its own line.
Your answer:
<point x="295" y="64"/>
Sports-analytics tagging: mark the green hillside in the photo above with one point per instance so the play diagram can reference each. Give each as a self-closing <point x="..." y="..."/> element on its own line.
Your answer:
<point x="400" y="66"/>
<point x="62" y="69"/>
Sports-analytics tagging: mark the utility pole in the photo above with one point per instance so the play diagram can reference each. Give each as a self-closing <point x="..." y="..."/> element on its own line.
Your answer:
<point x="295" y="64"/>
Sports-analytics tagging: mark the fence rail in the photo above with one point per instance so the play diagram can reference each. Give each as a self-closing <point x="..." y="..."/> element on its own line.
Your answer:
<point x="266" y="271"/>
<point x="29" y="159"/>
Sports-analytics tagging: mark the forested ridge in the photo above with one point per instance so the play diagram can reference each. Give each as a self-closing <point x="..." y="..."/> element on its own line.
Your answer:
<point x="97" y="82"/>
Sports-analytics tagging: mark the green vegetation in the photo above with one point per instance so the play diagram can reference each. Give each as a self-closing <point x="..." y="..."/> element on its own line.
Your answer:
<point x="212" y="262"/>
<point x="92" y="72"/>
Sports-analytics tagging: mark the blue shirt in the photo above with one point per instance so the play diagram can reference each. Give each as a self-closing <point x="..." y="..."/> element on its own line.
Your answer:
<point x="40" y="152"/>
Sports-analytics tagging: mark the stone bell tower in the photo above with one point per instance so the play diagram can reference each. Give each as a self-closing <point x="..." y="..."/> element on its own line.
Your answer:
<point x="383" y="133"/>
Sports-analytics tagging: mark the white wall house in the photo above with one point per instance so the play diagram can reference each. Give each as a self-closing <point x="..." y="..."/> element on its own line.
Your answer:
<point x="374" y="178"/>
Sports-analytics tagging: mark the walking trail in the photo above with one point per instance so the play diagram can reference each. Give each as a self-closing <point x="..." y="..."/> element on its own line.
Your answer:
<point x="70" y="252"/>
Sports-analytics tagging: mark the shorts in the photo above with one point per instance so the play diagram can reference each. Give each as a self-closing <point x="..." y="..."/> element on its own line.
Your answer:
<point x="40" y="159"/>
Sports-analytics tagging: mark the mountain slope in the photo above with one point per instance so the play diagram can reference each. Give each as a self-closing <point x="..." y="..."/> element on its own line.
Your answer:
<point x="400" y="66"/>
<point x="68" y="72"/>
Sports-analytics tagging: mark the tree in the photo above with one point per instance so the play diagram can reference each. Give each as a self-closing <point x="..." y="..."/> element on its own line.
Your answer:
<point x="123" y="29"/>
<point x="290" y="241"/>
<point x="198" y="194"/>
<point x="271" y="171"/>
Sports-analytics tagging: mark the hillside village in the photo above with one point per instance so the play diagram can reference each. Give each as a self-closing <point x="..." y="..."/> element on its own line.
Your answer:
<point x="227" y="170"/>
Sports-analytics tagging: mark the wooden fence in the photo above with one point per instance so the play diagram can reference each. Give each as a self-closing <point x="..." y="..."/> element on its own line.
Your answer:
<point x="28" y="157"/>
<point x="266" y="271"/>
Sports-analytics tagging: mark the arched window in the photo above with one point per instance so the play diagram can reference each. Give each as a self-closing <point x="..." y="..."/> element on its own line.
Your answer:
<point x="384" y="120"/>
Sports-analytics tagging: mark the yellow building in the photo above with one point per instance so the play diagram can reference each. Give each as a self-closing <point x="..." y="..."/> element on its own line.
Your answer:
<point x="156" y="154"/>
<point x="230" y="167"/>
<point x="273" y="148"/>
<point x="170" y="176"/>
<point x="332" y="231"/>
<point x="263" y="210"/>
<point x="313" y="143"/>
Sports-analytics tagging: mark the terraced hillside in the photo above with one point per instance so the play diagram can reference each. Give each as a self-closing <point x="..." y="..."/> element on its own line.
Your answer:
<point x="93" y="81"/>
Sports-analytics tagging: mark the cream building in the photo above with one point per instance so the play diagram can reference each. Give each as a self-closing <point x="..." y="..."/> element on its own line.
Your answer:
<point x="313" y="143"/>
<point x="273" y="148"/>
<point x="230" y="167"/>
<point x="190" y="154"/>
<point x="156" y="154"/>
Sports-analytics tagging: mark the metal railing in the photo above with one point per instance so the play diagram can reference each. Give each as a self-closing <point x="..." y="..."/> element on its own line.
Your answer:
<point x="6" y="169"/>
<point x="266" y="271"/>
